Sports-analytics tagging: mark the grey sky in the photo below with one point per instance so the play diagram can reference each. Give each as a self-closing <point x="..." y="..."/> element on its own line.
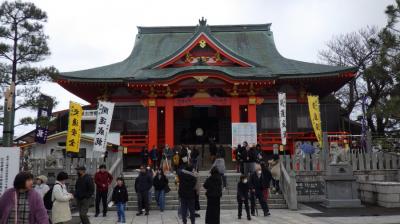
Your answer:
<point x="91" y="33"/>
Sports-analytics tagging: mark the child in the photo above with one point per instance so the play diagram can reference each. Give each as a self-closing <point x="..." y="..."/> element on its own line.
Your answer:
<point x="243" y="196"/>
<point x="120" y="197"/>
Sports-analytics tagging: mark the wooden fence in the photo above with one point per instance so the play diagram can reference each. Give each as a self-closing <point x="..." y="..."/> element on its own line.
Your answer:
<point x="360" y="161"/>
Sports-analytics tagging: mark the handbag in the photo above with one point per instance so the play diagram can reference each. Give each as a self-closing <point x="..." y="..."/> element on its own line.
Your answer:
<point x="167" y="189"/>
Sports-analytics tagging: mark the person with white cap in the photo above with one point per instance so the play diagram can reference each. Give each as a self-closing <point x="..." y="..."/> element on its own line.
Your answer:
<point x="41" y="185"/>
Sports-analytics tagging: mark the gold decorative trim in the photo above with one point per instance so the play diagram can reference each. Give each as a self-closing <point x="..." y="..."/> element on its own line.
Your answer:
<point x="252" y="100"/>
<point x="200" y="78"/>
<point x="151" y="102"/>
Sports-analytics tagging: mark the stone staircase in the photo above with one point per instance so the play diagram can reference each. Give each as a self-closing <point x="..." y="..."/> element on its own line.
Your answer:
<point x="228" y="200"/>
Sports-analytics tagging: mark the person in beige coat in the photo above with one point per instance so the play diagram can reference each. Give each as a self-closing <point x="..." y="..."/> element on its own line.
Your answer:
<point x="275" y="167"/>
<point x="61" y="211"/>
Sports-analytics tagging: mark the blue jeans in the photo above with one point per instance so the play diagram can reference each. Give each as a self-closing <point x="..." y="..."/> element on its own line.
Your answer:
<point x="160" y="198"/>
<point x="121" y="211"/>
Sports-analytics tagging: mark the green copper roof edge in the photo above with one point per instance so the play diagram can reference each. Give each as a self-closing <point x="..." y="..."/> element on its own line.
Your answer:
<point x="199" y="31"/>
<point x="213" y="28"/>
<point x="254" y="77"/>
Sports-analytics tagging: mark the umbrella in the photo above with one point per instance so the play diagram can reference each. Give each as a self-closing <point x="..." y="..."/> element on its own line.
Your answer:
<point x="307" y="148"/>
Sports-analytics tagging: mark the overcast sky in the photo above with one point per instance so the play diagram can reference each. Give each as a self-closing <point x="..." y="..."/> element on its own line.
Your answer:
<point x="91" y="33"/>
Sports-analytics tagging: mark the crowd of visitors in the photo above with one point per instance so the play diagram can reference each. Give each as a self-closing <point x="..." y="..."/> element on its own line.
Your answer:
<point x="26" y="203"/>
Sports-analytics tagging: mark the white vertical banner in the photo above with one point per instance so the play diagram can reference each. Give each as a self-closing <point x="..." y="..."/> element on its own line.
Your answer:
<point x="103" y="122"/>
<point x="9" y="166"/>
<point x="282" y="115"/>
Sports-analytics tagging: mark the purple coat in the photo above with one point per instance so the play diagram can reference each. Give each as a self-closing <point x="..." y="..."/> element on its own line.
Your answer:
<point x="37" y="214"/>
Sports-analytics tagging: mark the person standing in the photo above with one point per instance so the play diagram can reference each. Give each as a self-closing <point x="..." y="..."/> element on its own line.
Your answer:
<point x="21" y="204"/>
<point x="213" y="185"/>
<point x="61" y="211"/>
<point x="143" y="185"/>
<point x="194" y="157"/>
<point x="160" y="183"/>
<point x="41" y="187"/>
<point x="187" y="193"/>
<point x="243" y="196"/>
<point x="259" y="154"/>
<point x="84" y="190"/>
<point x="239" y="158"/>
<point x="103" y="179"/>
<point x="259" y="183"/>
<point x="119" y="198"/>
<point x="176" y="161"/>
<point x="154" y="157"/>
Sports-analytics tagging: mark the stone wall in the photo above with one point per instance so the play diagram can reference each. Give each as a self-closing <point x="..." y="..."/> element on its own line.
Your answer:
<point x="311" y="184"/>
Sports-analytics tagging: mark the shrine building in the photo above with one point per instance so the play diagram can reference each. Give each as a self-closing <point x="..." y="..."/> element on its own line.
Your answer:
<point x="186" y="84"/>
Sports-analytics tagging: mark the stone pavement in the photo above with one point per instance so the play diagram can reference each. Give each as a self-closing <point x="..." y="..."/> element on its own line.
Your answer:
<point x="278" y="216"/>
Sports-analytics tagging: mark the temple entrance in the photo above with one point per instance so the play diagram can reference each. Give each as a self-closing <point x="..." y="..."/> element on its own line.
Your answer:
<point x="200" y="124"/>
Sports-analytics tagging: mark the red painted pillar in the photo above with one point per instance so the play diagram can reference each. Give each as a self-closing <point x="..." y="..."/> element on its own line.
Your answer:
<point x="251" y="110"/>
<point x="235" y="113"/>
<point x="152" y="125"/>
<point x="169" y="122"/>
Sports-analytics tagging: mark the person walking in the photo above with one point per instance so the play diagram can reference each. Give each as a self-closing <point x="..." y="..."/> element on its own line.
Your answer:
<point x="61" y="212"/>
<point x="195" y="158"/>
<point x="41" y="185"/>
<point x="84" y="190"/>
<point x="160" y="183"/>
<point x="249" y="159"/>
<point x="243" y="196"/>
<point x="275" y="166"/>
<point x="219" y="163"/>
<point x="176" y="161"/>
<point x="166" y="159"/>
<point x="143" y="185"/>
<point x="154" y="157"/>
<point x="187" y="194"/>
<point x="103" y="179"/>
<point x="213" y="185"/>
<point x="21" y="204"/>
<point x="145" y="156"/>
<point x="259" y="184"/>
<point x="119" y="198"/>
<point x="239" y="158"/>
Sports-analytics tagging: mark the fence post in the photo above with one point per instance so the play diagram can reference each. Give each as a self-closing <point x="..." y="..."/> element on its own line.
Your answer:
<point x="325" y="149"/>
<point x="369" y="142"/>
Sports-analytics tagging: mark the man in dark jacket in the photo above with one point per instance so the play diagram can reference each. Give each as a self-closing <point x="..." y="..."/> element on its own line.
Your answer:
<point x="259" y="183"/>
<point x="249" y="156"/>
<point x="187" y="193"/>
<point x="103" y="179"/>
<point x="84" y="189"/>
<point x="243" y="196"/>
<point x="143" y="184"/>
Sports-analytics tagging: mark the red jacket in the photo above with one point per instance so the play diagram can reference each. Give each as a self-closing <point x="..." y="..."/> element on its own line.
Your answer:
<point x="102" y="180"/>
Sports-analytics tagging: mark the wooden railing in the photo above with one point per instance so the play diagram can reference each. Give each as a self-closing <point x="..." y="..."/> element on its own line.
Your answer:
<point x="288" y="187"/>
<point x="134" y="143"/>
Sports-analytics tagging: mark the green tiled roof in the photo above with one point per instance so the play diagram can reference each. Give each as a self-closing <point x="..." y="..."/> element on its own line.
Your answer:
<point x="251" y="43"/>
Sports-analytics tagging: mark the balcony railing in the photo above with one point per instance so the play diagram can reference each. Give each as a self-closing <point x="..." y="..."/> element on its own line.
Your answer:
<point x="89" y="115"/>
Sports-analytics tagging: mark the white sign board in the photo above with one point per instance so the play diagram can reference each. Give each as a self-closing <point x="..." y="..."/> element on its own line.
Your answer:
<point x="9" y="166"/>
<point x="282" y="115"/>
<point x="244" y="132"/>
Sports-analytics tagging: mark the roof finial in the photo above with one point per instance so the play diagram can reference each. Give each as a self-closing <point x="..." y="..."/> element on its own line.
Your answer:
<point x="202" y="21"/>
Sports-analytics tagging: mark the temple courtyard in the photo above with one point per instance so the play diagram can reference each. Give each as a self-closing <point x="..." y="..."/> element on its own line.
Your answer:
<point x="306" y="215"/>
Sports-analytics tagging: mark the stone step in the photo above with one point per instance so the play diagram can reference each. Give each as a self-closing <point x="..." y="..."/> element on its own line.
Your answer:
<point x="204" y="202"/>
<point x="203" y="207"/>
<point x="175" y="196"/>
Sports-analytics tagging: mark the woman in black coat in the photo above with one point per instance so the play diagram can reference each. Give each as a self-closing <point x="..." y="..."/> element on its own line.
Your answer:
<point x="213" y="185"/>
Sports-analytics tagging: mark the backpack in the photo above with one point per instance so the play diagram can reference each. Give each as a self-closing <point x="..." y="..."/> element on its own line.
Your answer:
<point x="48" y="203"/>
<point x="175" y="160"/>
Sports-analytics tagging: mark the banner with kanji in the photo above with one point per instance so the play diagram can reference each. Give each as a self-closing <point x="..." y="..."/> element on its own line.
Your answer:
<point x="103" y="122"/>
<point x="315" y="116"/>
<point x="74" y="127"/>
<point x="282" y="115"/>
<point x="43" y="119"/>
